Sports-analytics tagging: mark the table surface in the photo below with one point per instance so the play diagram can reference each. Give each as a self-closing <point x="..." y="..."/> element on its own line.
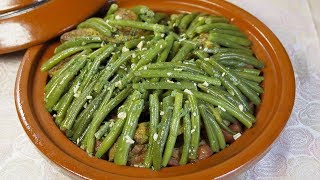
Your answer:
<point x="296" y="153"/>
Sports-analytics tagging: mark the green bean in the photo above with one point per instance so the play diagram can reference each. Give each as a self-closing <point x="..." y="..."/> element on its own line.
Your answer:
<point x="208" y="27"/>
<point x="76" y="106"/>
<point x="103" y="130"/>
<point x="254" y="86"/>
<point x="85" y="117"/>
<point x="213" y="140"/>
<point x="173" y="133"/>
<point x="195" y="125"/>
<point x="164" y="85"/>
<point x="97" y="52"/>
<point x="186" y="134"/>
<point x="147" y="58"/>
<point x="128" y="131"/>
<point x="103" y="23"/>
<point x="249" y="76"/>
<point x="110" y="69"/>
<point x="143" y="10"/>
<point x="184" y="51"/>
<point x="215" y="19"/>
<point x="198" y="21"/>
<point x="234" y="90"/>
<point x="96" y="26"/>
<point x="134" y="42"/>
<point x="54" y="94"/>
<point x="215" y="112"/>
<point x="154" y="19"/>
<point x="233" y="63"/>
<point x="248" y="70"/>
<point x="228" y="32"/>
<point x="240" y="57"/>
<point x="101" y="113"/>
<point x="216" y="50"/>
<point x="112" y="9"/>
<point x="227" y="116"/>
<point x="154" y="109"/>
<point x="249" y="93"/>
<point x="207" y="68"/>
<point x="245" y="120"/>
<point x="164" y="54"/>
<point x="79" y="41"/>
<point x="177" y="74"/>
<point x="175" y="66"/>
<point x="163" y="132"/>
<point x="106" y="52"/>
<point x="140" y="25"/>
<point x="239" y="40"/>
<point x="111" y="138"/>
<point x="67" y="98"/>
<point x="174" y="50"/>
<point x="217" y="131"/>
<point x="186" y="20"/>
<point x="225" y="42"/>
<point x="64" y="68"/>
<point x="54" y="60"/>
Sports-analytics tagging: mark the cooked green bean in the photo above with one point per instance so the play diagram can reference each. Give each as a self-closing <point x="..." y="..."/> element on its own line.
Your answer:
<point x="164" y="85"/>
<point x="100" y="115"/>
<point x="208" y="27"/>
<point x="215" y="19"/>
<point x="228" y="32"/>
<point x="239" y="40"/>
<point x="254" y="86"/>
<point x="249" y="76"/>
<point x="53" y="95"/>
<point x="103" y="23"/>
<point x="173" y="133"/>
<point x="240" y="57"/>
<point x="213" y="140"/>
<point x="216" y="113"/>
<point x="112" y="9"/>
<point x="154" y="108"/>
<point x="140" y="25"/>
<point x="186" y="20"/>
<point x="54" y="60"/>
<point x="96" y="26"/>
<point x="195" y="126"/>
<point x="177" y="74"/>
<point x="76" y="106"/>
<point x="164" y="54"/>
<point x="184" y="51"/>
<point x="163" y="132"/>
<point x="79" y="41"/>
<point x="103" y="130"/>
<point x="245" y="120"/>
<point x="217" y="131"/>
<point x="186" y="135"/>
<point x="85" y="117"/>
<point x="175" y="66"/>
<point x="126" y="141"/>
<point x="111" y="138"/>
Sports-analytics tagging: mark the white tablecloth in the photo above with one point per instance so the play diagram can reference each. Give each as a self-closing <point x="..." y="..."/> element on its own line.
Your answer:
<point x="296" y="153"/>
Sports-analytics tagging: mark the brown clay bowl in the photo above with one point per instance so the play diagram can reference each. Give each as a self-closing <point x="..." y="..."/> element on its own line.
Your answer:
<point x="272" y="114"/>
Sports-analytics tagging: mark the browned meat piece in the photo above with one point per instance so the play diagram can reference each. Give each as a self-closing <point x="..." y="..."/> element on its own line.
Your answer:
<point x="137" y="154"/>
<point x="236" y="127"/>
<point x="141" y="135"/>
<point x="173" y="162"/>
<point x="79" y="33"/>
<point x="125" y="14"/>
<point x="204" y="151"/>
<point x="175" y="157"/>
<point x="97" y="145"/>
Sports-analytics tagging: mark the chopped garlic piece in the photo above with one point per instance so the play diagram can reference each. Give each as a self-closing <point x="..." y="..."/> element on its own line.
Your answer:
<point x="236" y="136"/>
<point x="161" y="113"/>
<point x="187" y="91"/>
<point x="125" y="49"/>
<point x="169" y="81"/>
<point x="241" y="107"/>
<point x="129" y="140"/>
<point x="155" y="136"/>
<point x="222" y="108"/>
<point x="89" y="97"/>
<point x="205" y="83"/>
<point x="139" y="46"/>
<point x="122" y="115"/>
<point x="169" y="74"/>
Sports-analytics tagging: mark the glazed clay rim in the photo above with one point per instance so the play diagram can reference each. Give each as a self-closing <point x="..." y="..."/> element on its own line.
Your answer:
<point x="272" y="114"/>
<point x="26" y="23"/>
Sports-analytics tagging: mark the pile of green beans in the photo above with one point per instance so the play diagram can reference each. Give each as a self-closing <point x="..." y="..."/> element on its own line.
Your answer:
<point x="188" y="75"/>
